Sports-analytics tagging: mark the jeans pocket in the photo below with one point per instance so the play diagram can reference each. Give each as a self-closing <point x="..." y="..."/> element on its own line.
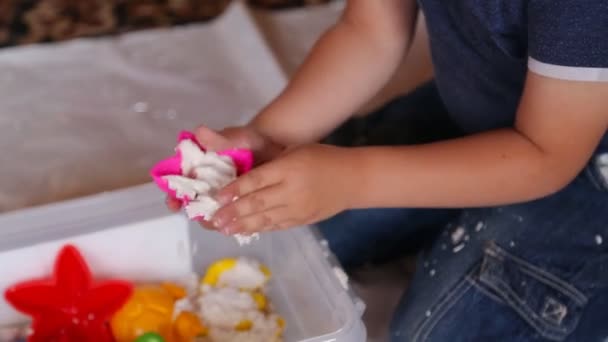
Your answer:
<point x="549" y="304"/>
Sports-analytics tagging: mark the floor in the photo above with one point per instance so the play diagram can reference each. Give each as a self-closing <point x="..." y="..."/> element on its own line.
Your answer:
<point x="381" y="287"/>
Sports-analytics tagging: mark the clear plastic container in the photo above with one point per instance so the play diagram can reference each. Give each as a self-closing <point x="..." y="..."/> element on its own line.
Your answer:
<point x="129" y="234"/>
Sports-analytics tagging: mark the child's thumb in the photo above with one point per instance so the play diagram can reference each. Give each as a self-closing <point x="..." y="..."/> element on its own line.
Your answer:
<point x="210" y="139"/>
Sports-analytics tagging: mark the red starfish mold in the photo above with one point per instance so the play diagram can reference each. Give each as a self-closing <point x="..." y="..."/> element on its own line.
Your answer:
<point x="69" y="306"/>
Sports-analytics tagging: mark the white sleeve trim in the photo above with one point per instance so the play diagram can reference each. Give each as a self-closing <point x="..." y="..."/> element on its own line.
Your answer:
<point x="567" y="72"/>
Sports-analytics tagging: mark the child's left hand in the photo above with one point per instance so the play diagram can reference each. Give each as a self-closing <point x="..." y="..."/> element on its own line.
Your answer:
<point x="302" y="186"/>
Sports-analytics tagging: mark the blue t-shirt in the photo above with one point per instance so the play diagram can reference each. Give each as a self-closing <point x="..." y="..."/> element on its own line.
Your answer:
<point x="482" y="49"/>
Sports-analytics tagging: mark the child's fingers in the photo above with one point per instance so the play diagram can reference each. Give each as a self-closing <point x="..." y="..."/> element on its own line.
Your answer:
<point x="211" y="139"/>
<point x="207" y="225"/>
<point x="264" y="176"/>
<point x="272" y="219"/>
<point x="173" y="204"/>
<point x="259" y="201"/>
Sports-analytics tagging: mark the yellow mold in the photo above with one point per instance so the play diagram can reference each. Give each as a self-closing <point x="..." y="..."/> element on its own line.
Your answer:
<point x="244" y="325"/>
<point x="216" y="269"/>
<point x="260" y="300"/>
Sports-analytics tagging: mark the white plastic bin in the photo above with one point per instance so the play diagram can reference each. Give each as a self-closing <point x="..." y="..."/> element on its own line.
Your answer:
<point x="129" y="234"/>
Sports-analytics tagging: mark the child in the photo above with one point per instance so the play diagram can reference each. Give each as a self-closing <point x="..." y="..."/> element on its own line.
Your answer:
<point x="512" y="130"/>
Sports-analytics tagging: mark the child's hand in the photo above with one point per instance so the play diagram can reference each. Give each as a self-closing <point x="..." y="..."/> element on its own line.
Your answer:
<point x="238" y="137"/>
<point x="302" y="186"/>
<point x="233" y="137"/>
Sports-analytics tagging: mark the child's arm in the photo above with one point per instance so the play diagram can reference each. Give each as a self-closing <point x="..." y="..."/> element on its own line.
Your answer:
<point x="347" y="66"/>
<point x="559" y="124"/>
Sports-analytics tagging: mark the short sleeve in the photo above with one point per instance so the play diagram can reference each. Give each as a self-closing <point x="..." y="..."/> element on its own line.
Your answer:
<point x="568" y="39"/>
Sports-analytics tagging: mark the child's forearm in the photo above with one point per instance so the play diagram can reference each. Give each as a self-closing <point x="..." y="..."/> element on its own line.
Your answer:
<point x="558" y="126"/>
<point x="493" y="168"/>
<point x="347" y="66"/>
